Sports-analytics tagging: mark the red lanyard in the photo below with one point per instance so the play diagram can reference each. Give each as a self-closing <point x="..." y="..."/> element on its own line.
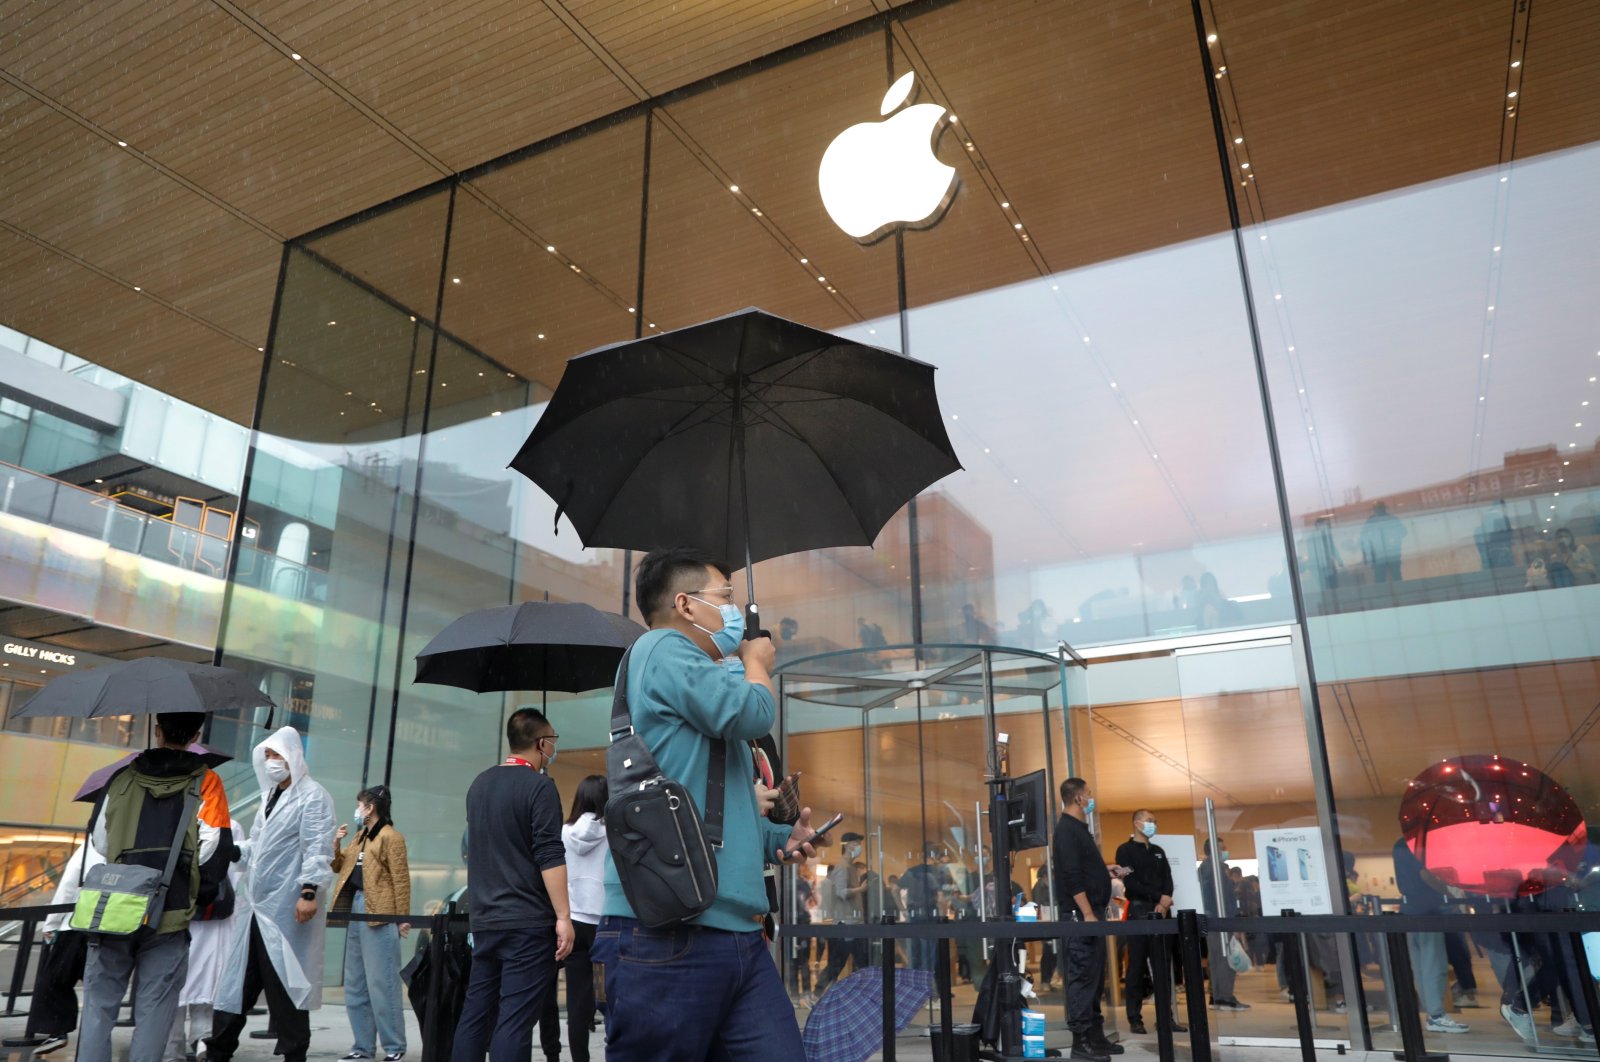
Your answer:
<point x="518" y="761"/>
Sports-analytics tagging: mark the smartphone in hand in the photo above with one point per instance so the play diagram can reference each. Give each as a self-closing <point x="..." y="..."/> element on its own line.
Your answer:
<point x="816" y="835"/>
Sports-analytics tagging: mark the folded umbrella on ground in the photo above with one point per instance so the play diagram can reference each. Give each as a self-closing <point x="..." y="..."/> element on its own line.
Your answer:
<point x="145" y="686"/>
<point x="537" y="645"/>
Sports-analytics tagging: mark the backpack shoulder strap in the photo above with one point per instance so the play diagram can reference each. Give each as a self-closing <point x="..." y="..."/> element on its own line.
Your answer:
<point x="191" y="806"/>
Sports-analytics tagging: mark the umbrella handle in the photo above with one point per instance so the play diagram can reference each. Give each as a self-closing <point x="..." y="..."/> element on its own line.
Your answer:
<point x="752" y="623"/>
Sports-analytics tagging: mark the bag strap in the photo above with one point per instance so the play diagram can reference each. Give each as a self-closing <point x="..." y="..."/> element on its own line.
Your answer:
<point x="191" y="804"/>
<point x="716" y="775"/>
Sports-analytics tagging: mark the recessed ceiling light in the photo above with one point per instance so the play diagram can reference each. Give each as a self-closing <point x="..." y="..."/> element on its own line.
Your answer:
<point x="1005" y="206"/>
<point x="137" y="288"/>
<point x="1211" y="38"/>
<point x="541" y="335"/>
<point x="733" y="188"/>
<point x="122" y="143"/>
<point x="822" y="280"/>
<point x="262" y="350"/>
<point x="551" y="248"/>
<point x="455" y="280"/>
<point x="99" y="481"/>
<point x="805" y="261"/>
<point x="1516" y="63"/>
<point x="1511" y="95"/>
<point x="632" y="310"/>
<point x="1017" y="225"/>
<point x="496" y="413"/>
<point x="295" y="56"/>
<point x="332" y="323"/>
<point x="1238" y="140"/>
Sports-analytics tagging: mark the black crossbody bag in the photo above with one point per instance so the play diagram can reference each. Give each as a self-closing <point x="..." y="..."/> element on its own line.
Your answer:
<point x="664" y="852"/>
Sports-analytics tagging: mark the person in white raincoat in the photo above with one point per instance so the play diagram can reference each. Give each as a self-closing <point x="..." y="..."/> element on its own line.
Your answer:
<point x="281" y="914"/>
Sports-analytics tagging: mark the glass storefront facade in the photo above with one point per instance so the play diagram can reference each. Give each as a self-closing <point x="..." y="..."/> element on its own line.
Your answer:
<point x="1266" y="337"/>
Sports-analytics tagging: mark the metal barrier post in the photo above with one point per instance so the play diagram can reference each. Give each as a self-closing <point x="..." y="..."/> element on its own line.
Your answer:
<point x="19" y="972"/>
<point x="888" y="999"/>
<point x="1591" y="999"/>
<point x="941" y="983"/>
<point x="430" y="1026"/>
<point x="1300" y="990"/>
<point x="1161" y="981"/>
<point x="1199" y="1021"/>
<point x="1413" y="1047"/>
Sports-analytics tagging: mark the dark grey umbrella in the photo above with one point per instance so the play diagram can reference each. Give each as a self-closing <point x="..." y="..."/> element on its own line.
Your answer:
<point x="537" y="645"/>
<point x="749" y="436"/>
<point x="145" y="686"/>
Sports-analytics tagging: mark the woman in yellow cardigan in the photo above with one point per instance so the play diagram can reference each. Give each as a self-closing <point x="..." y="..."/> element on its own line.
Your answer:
<point x="373" y="878"/>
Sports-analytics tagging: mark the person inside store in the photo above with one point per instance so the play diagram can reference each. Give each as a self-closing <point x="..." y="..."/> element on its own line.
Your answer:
<point x="277" y="944"/>
<point x="1083" y="884"/>
<point x="844" y="893"/>
<point x="1149" y="889"/>
<point x="584" y="836"/>
<point x="1217" y="944"/>
<point x="682" y="700"/>
<point x="373" y="878"/>
<point x="519" y="918"/>
<point x="921" y="888"/>
<point x="1421" y="893"/>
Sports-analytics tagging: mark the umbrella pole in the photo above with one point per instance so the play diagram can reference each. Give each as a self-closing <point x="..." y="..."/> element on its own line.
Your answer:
<point x="744" y="502"/>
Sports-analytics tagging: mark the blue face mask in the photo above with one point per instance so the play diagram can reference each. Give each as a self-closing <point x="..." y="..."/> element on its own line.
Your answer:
<point x="732" y="633"/>
<point x="1088" y="809"/>
<point x="1147" y="828"/>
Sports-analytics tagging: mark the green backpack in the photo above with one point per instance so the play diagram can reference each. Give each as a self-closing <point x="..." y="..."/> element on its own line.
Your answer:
<point x="152" y="869"/>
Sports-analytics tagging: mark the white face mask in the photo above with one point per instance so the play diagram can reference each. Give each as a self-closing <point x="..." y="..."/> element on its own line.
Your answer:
<point x="277" y="770"/>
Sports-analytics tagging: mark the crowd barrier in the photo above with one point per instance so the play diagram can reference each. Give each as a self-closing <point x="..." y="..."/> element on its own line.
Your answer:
<point x="1188" y="929"/>
<point x="438" y="926"/>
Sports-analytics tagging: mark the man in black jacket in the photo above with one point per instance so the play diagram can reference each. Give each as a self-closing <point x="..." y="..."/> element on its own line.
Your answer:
<point x="1083" y="887"/>
<point x="1149" y="888"/>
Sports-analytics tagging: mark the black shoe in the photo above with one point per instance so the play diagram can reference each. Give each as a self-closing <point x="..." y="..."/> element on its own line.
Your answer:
<point x="1136" y="1025"/>
<point x="1104" y="1046"/>
<point x="51" y="1043"/>
<point x="1087" y="1050"/>
<point x="1178" y="1027"/>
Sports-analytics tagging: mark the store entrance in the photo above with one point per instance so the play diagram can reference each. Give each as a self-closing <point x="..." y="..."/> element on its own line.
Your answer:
<point x="1211" y="735"/>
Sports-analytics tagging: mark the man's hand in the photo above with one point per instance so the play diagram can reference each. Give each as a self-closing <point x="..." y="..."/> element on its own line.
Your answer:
<point x="565" y="936"/>
<point x="766" y="799"/>
<point x="1164" y="906"/>
<point x="758" y="653"/>
<point x="304" y="910"/>
<point x="801" y="832"/>
<point x="49" y="936"/>
<point x="405" y="928"/>
<point x="1090" y="916"/>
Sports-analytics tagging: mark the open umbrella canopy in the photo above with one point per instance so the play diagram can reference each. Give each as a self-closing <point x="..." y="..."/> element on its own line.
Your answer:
<point x="145" y="686"/>
<point x="847" y="1023"/>
<point x="537" y="645"/>
<point x="97" y="780"/>
<point x="748" y="436"/>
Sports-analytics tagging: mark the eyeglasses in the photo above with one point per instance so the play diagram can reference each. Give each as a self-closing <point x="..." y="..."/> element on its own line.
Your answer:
<point x="551" y="737"/>
<point x="725" y="591"/>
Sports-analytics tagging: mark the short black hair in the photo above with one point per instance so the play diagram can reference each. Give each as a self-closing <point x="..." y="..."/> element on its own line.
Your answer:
<point x="663" y="571"/>
<point x="525" y="727"/>
<point x="1143" y="811"/>
<point x="180" y="728"/>
<point x="1071" y="788"/>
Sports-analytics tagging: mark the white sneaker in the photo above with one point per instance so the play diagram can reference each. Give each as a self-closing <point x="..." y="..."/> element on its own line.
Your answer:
<point x="1521" y="1024"/>
<point x="1568" y="1028"/>
<point x="1444" y="1023"/>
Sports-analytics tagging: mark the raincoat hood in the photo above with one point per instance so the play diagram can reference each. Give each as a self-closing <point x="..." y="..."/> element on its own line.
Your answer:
<point x="287" y="743"/>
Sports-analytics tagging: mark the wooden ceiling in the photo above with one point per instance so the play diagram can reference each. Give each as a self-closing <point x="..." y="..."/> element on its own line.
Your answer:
<point x="158" y="259"/>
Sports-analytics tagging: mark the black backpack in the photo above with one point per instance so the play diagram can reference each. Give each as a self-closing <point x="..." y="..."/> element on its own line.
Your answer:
<point x="664" y="854"/>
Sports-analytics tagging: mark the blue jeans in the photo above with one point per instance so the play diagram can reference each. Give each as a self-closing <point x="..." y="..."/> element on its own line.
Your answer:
<point x="372" y="984"/>
<point x="689" y="994"/>
<point x="513" y="970"/>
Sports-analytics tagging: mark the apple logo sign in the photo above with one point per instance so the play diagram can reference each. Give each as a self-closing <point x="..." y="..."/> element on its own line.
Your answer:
<point x="877" y="175"/>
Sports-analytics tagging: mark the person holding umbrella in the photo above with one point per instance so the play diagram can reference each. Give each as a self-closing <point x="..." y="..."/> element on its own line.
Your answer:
<point x="139" y="818"/>
<point x="682" y="700"/>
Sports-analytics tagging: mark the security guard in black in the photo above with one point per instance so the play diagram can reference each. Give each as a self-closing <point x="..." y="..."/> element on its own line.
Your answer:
<point x="1149" y="888"/>
<point x="1082" y="889"/>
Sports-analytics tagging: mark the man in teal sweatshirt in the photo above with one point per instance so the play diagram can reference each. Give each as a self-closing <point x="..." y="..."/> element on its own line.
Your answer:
<point x="708" y="989"/>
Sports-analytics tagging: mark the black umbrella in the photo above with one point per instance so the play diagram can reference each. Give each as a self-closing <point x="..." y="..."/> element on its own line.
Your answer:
<point x="143" y="687"/>
<point x="537" y="645"/>
<point x="749" y="436"/>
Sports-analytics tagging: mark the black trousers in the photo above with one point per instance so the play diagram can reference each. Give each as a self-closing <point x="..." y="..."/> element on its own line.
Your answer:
<point x="580" y="1000"/>
<point x="841" y="951"/>
<point x="1139" y="975"/>
<point x="1086" y="983"/>
<point x="292" y="1024"/>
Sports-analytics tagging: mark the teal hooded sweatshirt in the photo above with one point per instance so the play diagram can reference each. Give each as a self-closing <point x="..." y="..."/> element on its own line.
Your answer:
<point x="681" y="701"/>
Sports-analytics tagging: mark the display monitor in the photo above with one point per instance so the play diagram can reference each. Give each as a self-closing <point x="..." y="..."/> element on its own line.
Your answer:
<point x="1028" y="812"/>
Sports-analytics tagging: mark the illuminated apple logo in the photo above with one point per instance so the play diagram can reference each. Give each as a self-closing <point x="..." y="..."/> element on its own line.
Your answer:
<point x="876" y="175"/>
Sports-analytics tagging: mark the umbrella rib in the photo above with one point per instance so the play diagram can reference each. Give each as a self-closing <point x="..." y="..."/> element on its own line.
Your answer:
<point x="825" y="466"/>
